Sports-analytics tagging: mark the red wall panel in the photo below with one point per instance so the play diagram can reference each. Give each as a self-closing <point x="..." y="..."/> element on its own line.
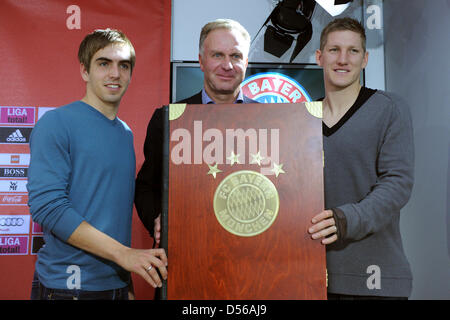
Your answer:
<point x="39" y="68"/>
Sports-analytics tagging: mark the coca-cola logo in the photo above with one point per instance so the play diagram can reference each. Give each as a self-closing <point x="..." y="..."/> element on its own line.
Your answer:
<point x="12" y="199"/>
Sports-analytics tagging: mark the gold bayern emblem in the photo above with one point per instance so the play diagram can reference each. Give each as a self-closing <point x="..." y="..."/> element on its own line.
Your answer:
<point x="246" y="203"/>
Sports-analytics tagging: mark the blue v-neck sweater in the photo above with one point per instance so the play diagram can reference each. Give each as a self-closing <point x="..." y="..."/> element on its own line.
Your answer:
<point x="82" y="169"/>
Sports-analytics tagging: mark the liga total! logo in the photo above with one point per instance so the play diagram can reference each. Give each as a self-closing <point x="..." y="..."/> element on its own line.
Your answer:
<point x="272" y="87"/>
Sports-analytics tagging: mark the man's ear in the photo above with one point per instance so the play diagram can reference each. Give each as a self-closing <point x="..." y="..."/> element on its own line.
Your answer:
<point x="365" y="60"/>
<point x="84" y="72"/>
<point x="200" y="61"/>
<point x="318" y="56"/>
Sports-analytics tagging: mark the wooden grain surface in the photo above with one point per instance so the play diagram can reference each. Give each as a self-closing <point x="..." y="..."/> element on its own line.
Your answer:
<point x="208" y="262"/>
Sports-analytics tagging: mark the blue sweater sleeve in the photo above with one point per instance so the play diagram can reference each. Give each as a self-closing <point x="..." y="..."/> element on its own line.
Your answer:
<point x="49" y="177"/>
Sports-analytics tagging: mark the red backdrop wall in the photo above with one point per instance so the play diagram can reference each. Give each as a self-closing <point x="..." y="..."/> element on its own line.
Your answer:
<point x="39" y="68"/>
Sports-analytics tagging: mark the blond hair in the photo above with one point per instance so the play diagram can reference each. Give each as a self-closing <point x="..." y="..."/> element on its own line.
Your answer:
<point x="227" y="24"/>
<point x="343" y="24"/>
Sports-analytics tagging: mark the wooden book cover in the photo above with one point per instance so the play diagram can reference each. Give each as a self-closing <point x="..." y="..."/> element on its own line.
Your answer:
<point x="244" y="182"/>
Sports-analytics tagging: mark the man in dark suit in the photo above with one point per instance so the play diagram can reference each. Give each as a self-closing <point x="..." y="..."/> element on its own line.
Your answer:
<point x="223" y="57"/>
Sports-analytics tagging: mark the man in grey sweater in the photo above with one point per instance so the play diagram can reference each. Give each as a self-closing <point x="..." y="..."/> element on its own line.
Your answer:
<point x="369" y="160"/>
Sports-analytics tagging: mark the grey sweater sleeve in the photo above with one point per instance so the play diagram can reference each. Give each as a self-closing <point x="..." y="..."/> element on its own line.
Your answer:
<point x="395" y="167"/>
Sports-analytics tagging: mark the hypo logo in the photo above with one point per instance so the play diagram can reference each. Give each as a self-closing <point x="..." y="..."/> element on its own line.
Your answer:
<point x="274" y="87"/>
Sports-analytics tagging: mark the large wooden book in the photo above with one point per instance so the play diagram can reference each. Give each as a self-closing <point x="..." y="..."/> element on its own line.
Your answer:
<point x="244" y="181"/>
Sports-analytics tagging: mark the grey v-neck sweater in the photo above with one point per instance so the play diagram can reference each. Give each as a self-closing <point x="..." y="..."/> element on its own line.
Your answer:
<point x="369" y="165"/>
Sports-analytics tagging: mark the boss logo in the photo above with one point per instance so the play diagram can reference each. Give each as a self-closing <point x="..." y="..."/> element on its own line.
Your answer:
<point x="13" y="172"/>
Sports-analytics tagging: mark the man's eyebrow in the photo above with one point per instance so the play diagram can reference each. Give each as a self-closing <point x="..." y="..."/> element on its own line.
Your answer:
<point x="109" y="60"/>
<point x="103" y="59"/>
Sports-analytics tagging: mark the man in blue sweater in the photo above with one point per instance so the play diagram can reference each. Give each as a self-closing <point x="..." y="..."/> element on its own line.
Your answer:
<point x="369" y="164"/>
<point x="81" y="185"/>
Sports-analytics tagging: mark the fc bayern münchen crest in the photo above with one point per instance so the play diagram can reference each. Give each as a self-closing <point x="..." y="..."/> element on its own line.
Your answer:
<point x="272" y="87"/>
<point x="246" y="203"/>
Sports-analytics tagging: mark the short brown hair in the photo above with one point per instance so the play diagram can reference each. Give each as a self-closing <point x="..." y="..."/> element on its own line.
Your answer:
<point x="343" y="24"/>
<point x="100" y="39"/>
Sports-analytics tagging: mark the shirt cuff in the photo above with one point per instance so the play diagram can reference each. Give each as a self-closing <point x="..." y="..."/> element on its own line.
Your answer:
<point x="341" y="224"/>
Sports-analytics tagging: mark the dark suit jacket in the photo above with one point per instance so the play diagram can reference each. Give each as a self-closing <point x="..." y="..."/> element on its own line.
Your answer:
<point x="149" y="179"/>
